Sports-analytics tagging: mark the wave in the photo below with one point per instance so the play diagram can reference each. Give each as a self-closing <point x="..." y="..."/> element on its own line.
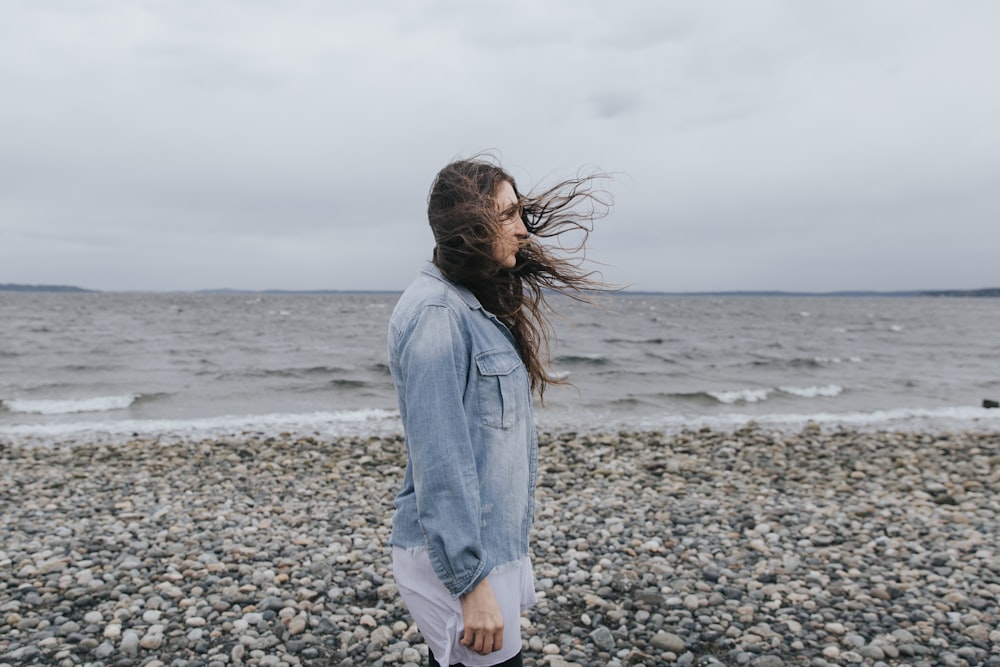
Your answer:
<point x="664" y="359"/>
<point x="740" y="395"/>
<point x="286" y="372"/>
<point x="377" y="422"/>
<point x="627" y="401"/>
<point x="838" y="360"/>
<point x="70" y="405"/>
<point x="88" y="368"/>
<point x="362" y="422"/>
<point x="697" y="396"/>
<point x="318" y="370"/>
<point x="594" y="359"/>
<point x="347" y="383"/>
<point x="912" y="419"/>
<point x="636" y="341"/>
<point x="758" y="394"/>
<point x="826" y="391"/>
<point x="943" y="419"/>
<point x="806" y="362"/>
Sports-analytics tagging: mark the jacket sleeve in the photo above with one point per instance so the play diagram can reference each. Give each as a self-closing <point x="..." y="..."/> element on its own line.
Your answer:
<point x="434" y="364"/>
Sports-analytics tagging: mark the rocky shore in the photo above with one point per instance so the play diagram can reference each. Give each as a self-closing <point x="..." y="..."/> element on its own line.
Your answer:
<point x="702" y="548"/>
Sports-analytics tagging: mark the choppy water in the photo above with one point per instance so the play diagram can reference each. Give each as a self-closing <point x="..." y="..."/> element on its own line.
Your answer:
<point x="108" y="365"/>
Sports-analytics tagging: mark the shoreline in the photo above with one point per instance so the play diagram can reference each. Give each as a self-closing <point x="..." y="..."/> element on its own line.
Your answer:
<point x="364" y="423"/>
<point x="752" y="546"/>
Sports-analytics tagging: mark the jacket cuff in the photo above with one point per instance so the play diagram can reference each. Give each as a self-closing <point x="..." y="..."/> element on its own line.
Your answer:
<point x="482" y="571"/>
<point x="459" y="585"/>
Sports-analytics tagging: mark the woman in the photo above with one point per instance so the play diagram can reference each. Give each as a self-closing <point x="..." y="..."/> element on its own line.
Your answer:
<point x="467" y="346"/>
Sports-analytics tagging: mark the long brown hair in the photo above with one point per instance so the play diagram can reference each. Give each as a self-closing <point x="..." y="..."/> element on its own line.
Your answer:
<point x="463" y="214"/>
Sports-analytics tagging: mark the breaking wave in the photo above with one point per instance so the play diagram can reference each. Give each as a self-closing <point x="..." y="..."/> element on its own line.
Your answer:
<point x="69" y="405"/>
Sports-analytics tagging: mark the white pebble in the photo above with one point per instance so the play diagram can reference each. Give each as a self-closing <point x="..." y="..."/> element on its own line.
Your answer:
<point x="130" y="643"/>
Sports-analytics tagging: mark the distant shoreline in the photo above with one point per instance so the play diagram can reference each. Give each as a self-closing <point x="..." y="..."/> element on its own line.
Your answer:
<point x="984" y="292"/>
<point x="43" y="288"/>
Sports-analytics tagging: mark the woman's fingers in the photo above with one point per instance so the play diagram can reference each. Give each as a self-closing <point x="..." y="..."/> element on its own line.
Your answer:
<point x="483" y="642"/>
<point x="492" y="641"/>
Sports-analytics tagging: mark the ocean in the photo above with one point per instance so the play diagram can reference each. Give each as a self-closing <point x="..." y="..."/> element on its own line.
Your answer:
<point x="111" y="366"/>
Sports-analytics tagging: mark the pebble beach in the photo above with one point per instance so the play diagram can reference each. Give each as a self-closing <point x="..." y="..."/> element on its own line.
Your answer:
<point x="753" y="547"/>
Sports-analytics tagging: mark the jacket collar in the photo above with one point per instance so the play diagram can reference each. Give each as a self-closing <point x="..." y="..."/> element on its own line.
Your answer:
<point x="467" y="296"/>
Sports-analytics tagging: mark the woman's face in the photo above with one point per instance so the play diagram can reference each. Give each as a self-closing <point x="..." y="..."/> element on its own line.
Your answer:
<point x="513" y="233"/>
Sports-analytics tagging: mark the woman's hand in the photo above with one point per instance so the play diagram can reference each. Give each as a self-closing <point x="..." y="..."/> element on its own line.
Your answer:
<point x="483" y="632"/>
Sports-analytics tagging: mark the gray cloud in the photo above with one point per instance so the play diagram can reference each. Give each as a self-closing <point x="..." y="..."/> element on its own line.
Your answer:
<point x="813" y="146"/>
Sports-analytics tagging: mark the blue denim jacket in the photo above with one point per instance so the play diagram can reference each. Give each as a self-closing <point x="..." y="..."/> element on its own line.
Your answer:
<point x="465" y="402"/>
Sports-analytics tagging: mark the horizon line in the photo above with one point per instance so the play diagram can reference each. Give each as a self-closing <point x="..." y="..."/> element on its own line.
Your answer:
<point x="984" y="291"/>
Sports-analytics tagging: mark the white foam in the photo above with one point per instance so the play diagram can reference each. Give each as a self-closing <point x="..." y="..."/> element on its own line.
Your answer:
<point x="827" y="391"/>
<point x="69" y="406"/>
<point x="837" y="360"/>
<point x="371" y="421"/>
<point x="758" y="395"/>
<point x="903" y="419"/>
<point x="738" y="395"/>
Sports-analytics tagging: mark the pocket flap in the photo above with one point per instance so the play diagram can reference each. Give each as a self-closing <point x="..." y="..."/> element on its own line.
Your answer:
<point x="497" y="362"/>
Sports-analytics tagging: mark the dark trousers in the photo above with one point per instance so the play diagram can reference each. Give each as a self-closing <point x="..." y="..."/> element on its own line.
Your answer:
<point x="513" y="662"/>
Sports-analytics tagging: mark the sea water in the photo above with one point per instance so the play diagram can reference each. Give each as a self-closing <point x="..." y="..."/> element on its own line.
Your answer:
<point x="117" y="365"/>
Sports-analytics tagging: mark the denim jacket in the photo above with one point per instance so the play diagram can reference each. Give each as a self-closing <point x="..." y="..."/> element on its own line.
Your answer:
<point x="472" y="449"/>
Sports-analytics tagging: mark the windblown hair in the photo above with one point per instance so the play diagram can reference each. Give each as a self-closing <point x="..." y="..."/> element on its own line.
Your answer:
<point x="466" y="221"/>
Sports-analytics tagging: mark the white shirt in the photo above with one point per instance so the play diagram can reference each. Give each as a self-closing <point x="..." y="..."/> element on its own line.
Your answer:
<point x="439" y="615"/>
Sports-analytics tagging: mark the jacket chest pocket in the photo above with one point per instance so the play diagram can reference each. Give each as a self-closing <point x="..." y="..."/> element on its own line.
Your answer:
<point x="501" y="386"/>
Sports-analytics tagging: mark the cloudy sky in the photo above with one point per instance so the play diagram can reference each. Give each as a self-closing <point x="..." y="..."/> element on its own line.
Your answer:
<point x="787" y="144"/>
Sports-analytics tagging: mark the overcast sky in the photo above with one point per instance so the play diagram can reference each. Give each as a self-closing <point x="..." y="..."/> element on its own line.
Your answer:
<point x="786" y="144"/>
